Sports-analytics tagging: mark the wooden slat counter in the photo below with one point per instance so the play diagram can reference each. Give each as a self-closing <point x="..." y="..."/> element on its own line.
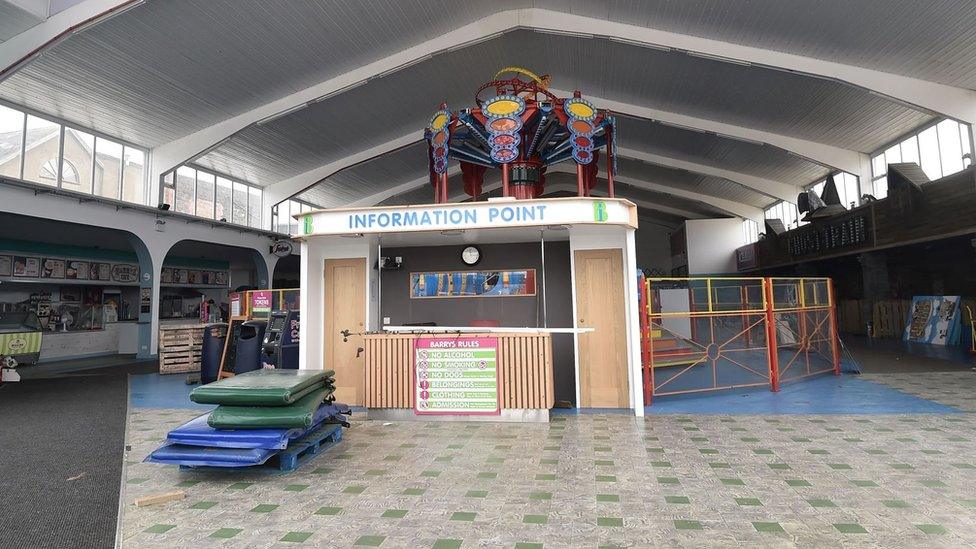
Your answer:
<point x="524" y="369"/>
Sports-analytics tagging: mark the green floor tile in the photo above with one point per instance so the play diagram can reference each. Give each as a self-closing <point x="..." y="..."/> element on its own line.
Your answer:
<point x="545" y="476"/>
<point x="963" y="465"/>
<point x="900" y="466"/>
<point x="768" y="527"/>
<point x="240" y="486"/>
<point x="660" y="464"/>
<point x="540" y="495"/>
<point x="370" y="541"/>
<point x="749" y="439"/>
<point x="606" y="478"/>
<point x="376" y="472"/>
<point x="677" y="499"/>
<point x="707" y="451"/>
<point x="394" y="513"/>
<point x="603" y="462"/>
<point x="484" y="474"/>
<point x="321" y="471"/>
<point x="296" y="537"/>
<point x="463" y="516"/>
<point x="818" y="451"/>
<point x="535" y="519"/>
<point x="476" y="494"/>
<point x="719" y="465"/>
<point x="264" y="508"/>
<point x="850" y="528"/>
<point x="226" y="533"/>
<point x="328" y="511"/>
<point x="548" y="461"/>
<point x="445" y="543"/>
<point x="528" y="545"/>
<point x="748" y="502"/>
<point x="668" y="480"/>
<point x="187" y="483"/>
<point x="932" y="483"/>
<point x="203" y="505"/>
<point x="732" y="481"/>
<point x="933" y="529"/>
<point x="821" y="503"/>
<point x="797" y="482"/>
<point x="159" y="528"/>
<point x="296" y="487"/>
<point x="762" y="451"/>
<point x="607" y="498"/>
<point x="612" y="522"/>
<point x="354" y="489"/>
<point x="779" y="466"/>
<point x="413" y="492"/>
<point x="139" y="480"/>
<point x="864" y="483"/>
<point x="894" y="503"/>
<point x="687" y="525"/>
<point x="967" y="502"/>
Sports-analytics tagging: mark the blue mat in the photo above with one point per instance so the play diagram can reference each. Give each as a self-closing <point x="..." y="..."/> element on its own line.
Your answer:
<point x="827" y="394"/>
<point x="198" y="456"/>
<point x="196" y="432"/>
<point x="162" y="391"/>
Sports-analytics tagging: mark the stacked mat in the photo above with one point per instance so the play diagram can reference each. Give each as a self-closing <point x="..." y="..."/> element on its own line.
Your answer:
<point x="259" y="415"/>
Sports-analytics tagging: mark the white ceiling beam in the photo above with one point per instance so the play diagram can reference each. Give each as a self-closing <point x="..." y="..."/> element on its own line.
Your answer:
<point x="37" y="8"/>
<point x="819" y="153"/>
<point x="414" y="184"/>
<point x="929" y="96"/>
<point x="282" y="190"/>
<point x="22" y="48"/>
<point x="768" y="187"/>
<point x="939" y="98"/>
<point x="731" y="207"/>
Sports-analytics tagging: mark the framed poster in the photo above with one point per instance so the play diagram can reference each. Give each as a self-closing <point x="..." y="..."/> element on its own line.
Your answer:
<point x="27" y="267"/>
<point x="456" y="376"/>
<point x="125" y="273"/>
<point x="166" y="275"/>
<point x="220" y="277"/>
<point x="52" y="268"/>
<point x="194" y="277"/>
<point x="181" y="276"/>
<point x="104" y="271"/>
<point x="934" y="319"/>
<point x="446" y="284"/>
<point x="77" y="270"/>
<point x="6" y="265"/>
<point x="208" y="277"/>
<point x="70" y="294"/>
<point x="145" y="300"/>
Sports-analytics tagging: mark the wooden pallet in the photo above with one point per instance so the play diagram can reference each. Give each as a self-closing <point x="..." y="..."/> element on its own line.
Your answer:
<point x="180" y="348"/>
<point x="307" y="447"/>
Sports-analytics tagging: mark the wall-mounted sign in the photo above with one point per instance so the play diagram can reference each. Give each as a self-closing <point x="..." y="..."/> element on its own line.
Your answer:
<point x="456" y="375"/>
<point x="517" y="282"/>
<point x="77" y="270"/>
<point x="261" y="302"/>
<point x="52" y="268"/>
<point x="282" y="248"/>
<point x="6" y="265"/>
<point x="27" y="267"/>
<point x="145" y="300"/>
<point x="125" y="273"/>
<point x="490" y="214"/>
<point x="104" y="271"/>
<point x="166" y="275"/>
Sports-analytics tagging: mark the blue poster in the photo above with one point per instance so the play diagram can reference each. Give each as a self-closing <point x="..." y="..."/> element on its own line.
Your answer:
<point x="934" y="319"/>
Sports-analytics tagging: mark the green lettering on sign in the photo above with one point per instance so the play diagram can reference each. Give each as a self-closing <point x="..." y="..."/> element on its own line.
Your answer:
<point x="307" y="224"/>
<point x="600" y="211"/>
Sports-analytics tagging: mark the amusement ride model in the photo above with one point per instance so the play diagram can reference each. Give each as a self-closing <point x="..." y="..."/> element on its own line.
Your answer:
<point x="521" y="130"/>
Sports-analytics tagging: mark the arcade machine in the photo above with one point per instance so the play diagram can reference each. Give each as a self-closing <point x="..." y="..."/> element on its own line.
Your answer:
<point x="280" y="348"/>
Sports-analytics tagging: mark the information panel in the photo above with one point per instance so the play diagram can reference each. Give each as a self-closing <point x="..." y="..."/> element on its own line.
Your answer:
<point x="456" y="375"/>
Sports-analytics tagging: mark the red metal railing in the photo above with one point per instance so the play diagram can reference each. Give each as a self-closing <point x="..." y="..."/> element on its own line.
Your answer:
<point x="707" y="334"/>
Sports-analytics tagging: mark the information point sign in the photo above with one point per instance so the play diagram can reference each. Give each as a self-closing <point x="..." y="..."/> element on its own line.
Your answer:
<point x="456" y="376"/>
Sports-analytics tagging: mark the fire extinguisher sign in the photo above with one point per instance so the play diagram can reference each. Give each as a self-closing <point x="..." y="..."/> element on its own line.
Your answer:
<point x="456" y="376"/>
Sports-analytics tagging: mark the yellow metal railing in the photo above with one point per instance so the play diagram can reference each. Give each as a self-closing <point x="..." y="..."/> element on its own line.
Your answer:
<point x="705" y="295"/>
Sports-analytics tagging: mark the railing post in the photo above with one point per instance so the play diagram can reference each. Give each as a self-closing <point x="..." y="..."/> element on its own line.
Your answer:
<point x="772" y="352"/>
<point x="834" y="334"/>
<point x="646" y="341"/>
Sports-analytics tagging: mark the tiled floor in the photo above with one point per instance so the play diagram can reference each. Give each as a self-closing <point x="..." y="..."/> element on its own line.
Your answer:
<point x="589" y="481"/>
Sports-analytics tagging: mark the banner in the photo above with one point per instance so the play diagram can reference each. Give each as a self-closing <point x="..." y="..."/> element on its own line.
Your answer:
<point x="456" y="375"/>
<point x="934" y="319"/>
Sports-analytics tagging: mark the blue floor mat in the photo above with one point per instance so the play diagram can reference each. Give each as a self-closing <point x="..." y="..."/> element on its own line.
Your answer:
<point x="163" y="391"/>
<point x="827" y="394"/>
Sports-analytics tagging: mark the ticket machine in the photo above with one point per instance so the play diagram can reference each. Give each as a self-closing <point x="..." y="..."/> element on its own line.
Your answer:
<point x="280" y="348"/>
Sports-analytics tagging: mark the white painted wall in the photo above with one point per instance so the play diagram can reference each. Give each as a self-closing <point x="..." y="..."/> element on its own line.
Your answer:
<point x="142" y="224"/>
<point x="712" y="244"/>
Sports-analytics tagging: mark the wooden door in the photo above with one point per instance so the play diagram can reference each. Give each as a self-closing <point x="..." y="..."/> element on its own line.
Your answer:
<point x="603" y="352"/>
<point x="345" y="309"/>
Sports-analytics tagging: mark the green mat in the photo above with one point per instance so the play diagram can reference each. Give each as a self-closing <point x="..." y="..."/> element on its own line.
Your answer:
<point x="262" y="388"/>
<point x="297" y="415"/>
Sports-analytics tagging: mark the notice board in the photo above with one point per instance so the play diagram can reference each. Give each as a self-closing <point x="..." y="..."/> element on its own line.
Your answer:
<point x="456" y="376"/>
<point x="935" y="319"/>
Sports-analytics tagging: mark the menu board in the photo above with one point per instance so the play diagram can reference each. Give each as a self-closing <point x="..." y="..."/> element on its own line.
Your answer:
<point x="456" y="376"/>
<point x="509" y="283"/>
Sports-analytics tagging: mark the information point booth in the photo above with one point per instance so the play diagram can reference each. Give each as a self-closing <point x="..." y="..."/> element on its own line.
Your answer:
<point x="492" y="311"/>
